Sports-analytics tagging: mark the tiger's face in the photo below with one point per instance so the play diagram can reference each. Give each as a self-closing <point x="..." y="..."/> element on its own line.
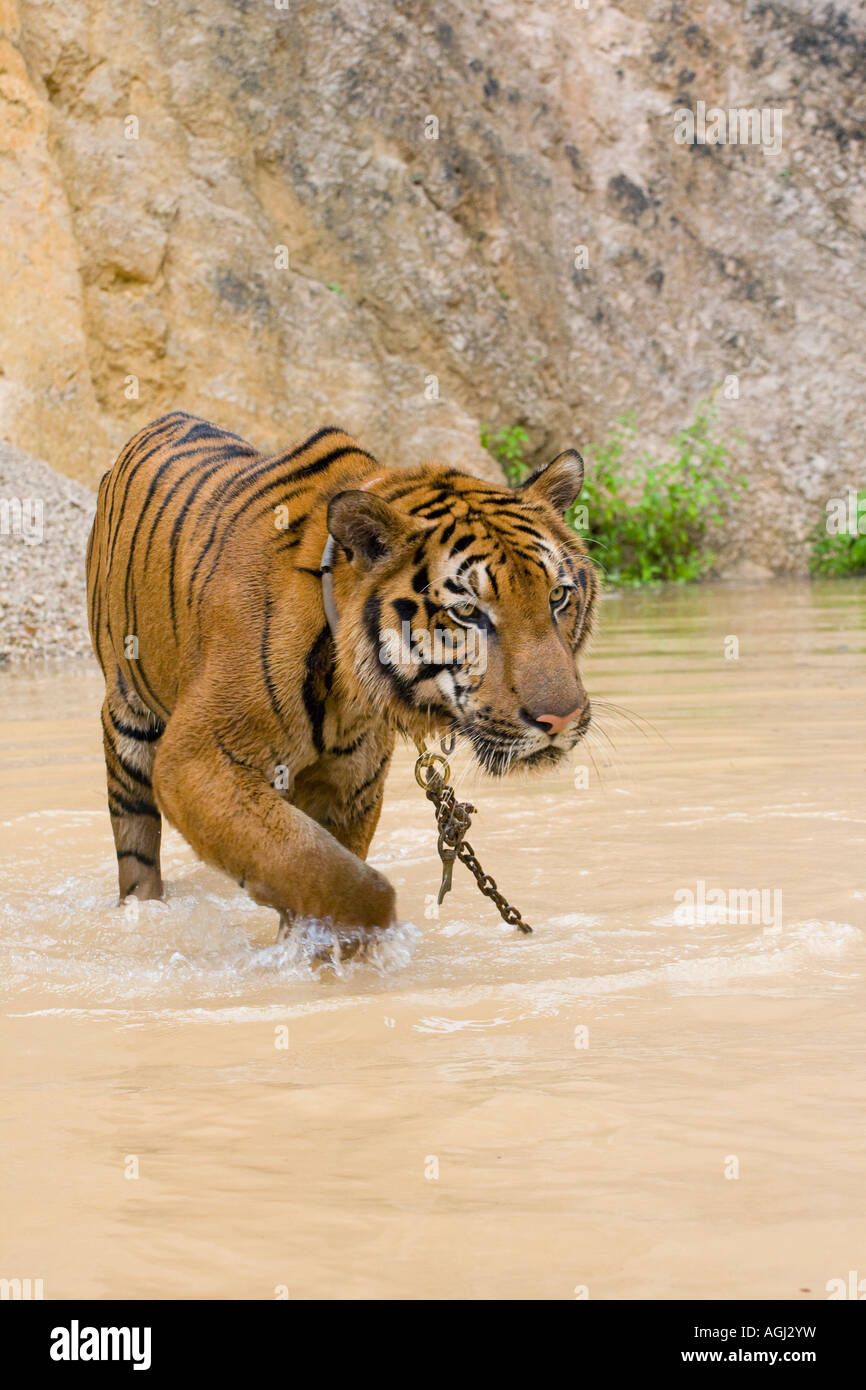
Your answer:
<point x="468" y="609"/>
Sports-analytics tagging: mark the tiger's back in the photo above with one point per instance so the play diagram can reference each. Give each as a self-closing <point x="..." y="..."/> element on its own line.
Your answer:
<point x="190" y="519"/>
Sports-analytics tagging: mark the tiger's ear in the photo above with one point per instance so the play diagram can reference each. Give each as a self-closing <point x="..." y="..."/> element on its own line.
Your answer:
<point x="366" y="526"/>
<point x="558" y="482"/>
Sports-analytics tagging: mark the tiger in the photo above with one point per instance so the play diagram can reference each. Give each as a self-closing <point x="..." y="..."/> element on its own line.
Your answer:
<point x="245" y="610"/>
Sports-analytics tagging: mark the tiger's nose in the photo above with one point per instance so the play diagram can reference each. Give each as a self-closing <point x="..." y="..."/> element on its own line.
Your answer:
<point x="555" y="723"/>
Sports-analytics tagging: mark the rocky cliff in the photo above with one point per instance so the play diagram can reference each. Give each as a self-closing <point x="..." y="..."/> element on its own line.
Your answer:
<point x="279" y="213"/>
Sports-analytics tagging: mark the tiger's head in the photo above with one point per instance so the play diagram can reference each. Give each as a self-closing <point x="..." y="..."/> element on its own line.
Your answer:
<point x="465" y="606"/>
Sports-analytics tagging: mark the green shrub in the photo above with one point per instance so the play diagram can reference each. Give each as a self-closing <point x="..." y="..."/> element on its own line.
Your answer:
<point x="506" y="446"/>
<point x="650" y="516"/>
<point x="839" y="555"/>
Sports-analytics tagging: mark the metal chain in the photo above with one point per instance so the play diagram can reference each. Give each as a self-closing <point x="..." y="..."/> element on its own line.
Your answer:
<point x="453" y="819"/>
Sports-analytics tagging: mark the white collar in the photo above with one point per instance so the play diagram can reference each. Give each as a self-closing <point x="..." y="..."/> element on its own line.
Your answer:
<point x="326" y="568"/>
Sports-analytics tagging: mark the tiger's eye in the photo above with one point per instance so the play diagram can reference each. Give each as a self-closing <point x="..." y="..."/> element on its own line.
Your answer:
<point x="466" y="609"/>
<point x="557" y="594"/>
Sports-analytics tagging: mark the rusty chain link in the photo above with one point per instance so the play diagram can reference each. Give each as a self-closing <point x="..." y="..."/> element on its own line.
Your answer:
<point x="453" y="819"/>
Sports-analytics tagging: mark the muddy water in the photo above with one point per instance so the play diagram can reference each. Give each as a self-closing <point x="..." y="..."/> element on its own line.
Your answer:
<point x="634" y="1101"/>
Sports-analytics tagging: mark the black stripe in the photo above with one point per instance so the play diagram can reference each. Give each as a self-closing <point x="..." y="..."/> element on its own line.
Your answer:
<point x="123" y="690"/>
<point x="281" y="532"/>
<point x="362" y="811"/>
<point x="232" y="757"/>
<point x="372" y="622"/>
<point x="405" y="608"/>
<point x="438" y="496"/>
<point x="349" y="747"/>
<point x="528" y="557"/>
<point x="134" y="854"/>
<point x="215" y="462"/>
<point x="472" y="560"/>
<point x="307" y="470"/>
<point x="439" y="711"/>
<point x="97" y="614"/>
<point x="93" y="585"/>
<point x="492" y="498"/>
<point x="134" y="776"/>
<point x="370" y="780"/>
<point x="203" y="456"/>
<point x="136" y="675"/>
<point x="131" y="808"/>
<point x="243" y="479"/>
<point x="317" y="684"/>
<point x="395" y="495"/>
<point x="163" y="419"/>
<point x="140" y="777"/>
<point x="372" y="617"/>
<point x="265" y="660"/>
<point x="428" y="670"/>
<point x="203" y="429"/>
<point x="143" y="735"/>
<point x="144" y="435"/>
<point x="425" y="514"/>
<point x="153" y="433"/>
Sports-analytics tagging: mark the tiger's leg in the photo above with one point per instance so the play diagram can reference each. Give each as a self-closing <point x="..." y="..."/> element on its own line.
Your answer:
<point x="284" y="930"/>
<point x="356" y="827"/>
<point x="354" y="832"/>
<point x="356" y="838"/>
<point x="130" y="739"/>
<point x="235" y="819"/>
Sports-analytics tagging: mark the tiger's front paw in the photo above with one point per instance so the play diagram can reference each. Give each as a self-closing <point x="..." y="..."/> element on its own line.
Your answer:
<point x="372" y="904"/>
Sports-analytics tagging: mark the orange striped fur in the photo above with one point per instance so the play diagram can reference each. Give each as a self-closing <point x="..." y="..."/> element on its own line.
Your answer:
<point x="230" y="707"/>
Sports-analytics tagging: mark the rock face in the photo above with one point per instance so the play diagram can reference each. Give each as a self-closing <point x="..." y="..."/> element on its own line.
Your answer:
<point x="45" y="520"/>
<point x="239" y="208"/>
